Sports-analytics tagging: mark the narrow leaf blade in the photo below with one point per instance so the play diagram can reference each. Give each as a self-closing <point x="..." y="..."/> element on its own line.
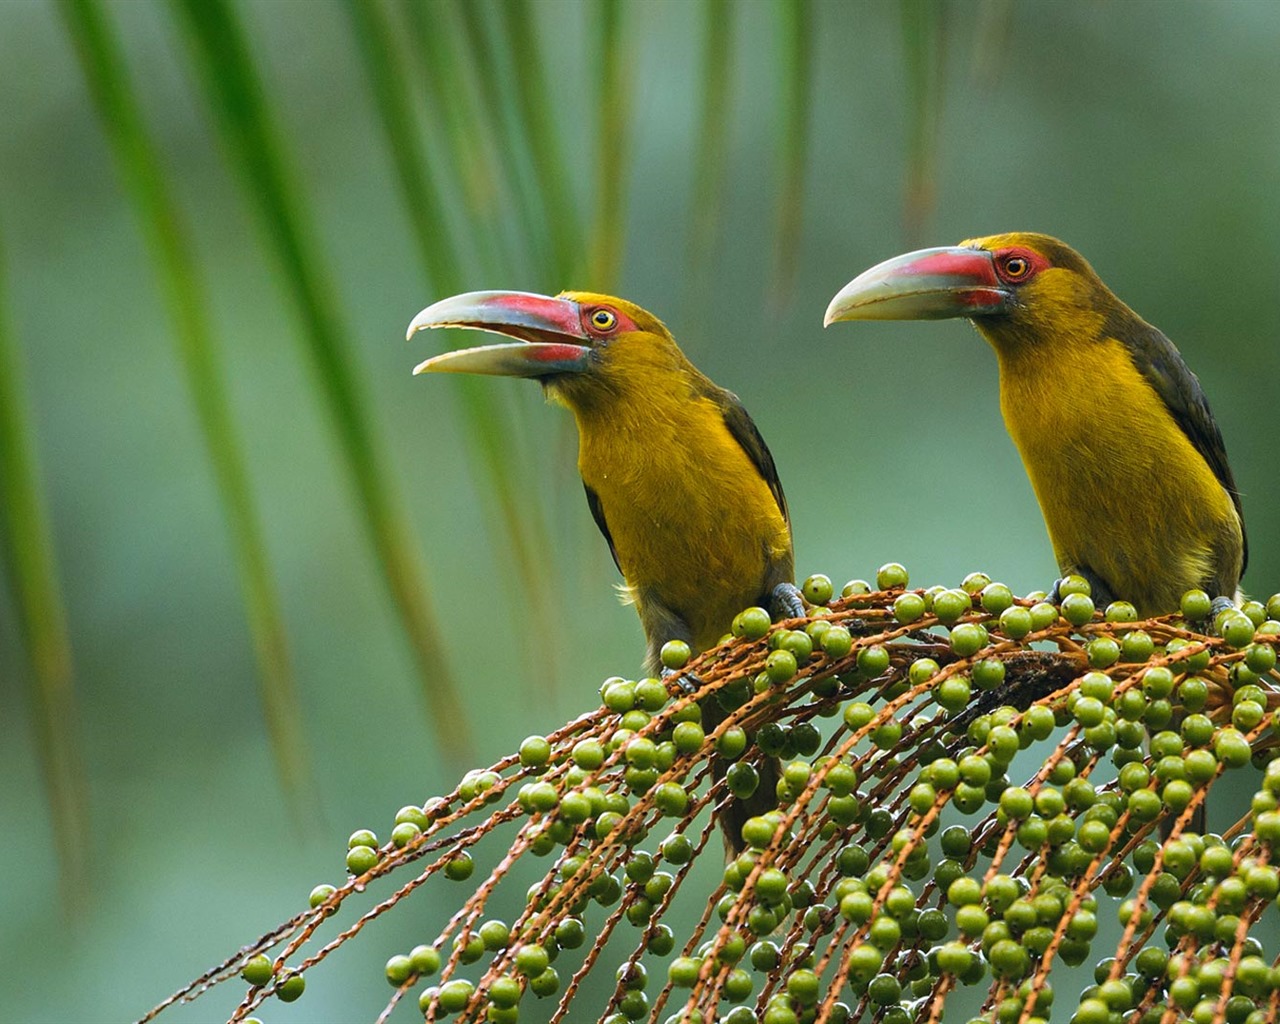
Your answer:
<point x="613" y="122"/>
<point x="235" y="94"/>
<point x="796" y="67"/>
<point x="489" y="426"/>
<point x="712" y="153"/>
<point x="923" y="58"/>
<point x="104" y="68"/>
<point x="27" y="543"/>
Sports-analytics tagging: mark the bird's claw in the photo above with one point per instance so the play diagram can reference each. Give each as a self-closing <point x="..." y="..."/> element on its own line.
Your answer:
<point x="1219" y="605"/>
<point x="687" y="681"/>
<point x="785" y="602"/>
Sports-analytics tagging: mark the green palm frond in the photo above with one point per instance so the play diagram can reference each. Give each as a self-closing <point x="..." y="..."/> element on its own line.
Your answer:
<point x="711" y="157"/>
<point x="796" y="66"/>
<point x="27" y="545"/>
<point x="490" y="427"/>
<point x="613" y="121"/>
<point x="104" y="69"/>
<point x="923" y="56"/>
<point x="540" y="131"/>
<point x="235" y="93"/>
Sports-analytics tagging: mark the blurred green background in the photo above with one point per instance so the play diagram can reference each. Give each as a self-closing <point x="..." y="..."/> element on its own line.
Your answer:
<point x="727" y="165"/>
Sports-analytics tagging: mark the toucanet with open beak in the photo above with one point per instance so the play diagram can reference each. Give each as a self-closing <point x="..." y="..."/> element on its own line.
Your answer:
<point x="678" y="478"/>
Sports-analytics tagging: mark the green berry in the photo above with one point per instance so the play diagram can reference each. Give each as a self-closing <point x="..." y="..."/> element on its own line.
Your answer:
<point x="968" y="638"/>
<point x="873" y="660"/>
<point x="494" y="934"/>
<point x="320" y="894"/>
<point x="1015" y="622"/>
<point x="752" y="624"/>
<point x="1077" y="608"/>
<point x="1103" y="652"/>
<point x="404" y="833"/>
<point x="257" y="970"/>
<point x="780" y="666"/>
<point x="588" y="754"/>
<point x="1120" y="611"/>
<point x="399" y="969"/>
<point x="837" y="642"/>
<point x="1043" y="615"/>
<point x="908" y="607"/>
<point x="361" y="859"/>
<point x="413" y="814"/>
<point x="731" y="744"/>
<point x="651" y="695"/>
<point x="1137" y="646"/>
<point x="891" y="575"/>
<point x="425" y="960"/>
<point x="742" y="779"/>
<point x="857" y="715"/>
<point x="532" y="959"/>
<point x="675" y="654"/>
<point x="291" y="988"/>
<point x="798" y="643"/>
<point x="951" y="605"/>
<point x="817" y="589"/>
<point x="671" y="799"/>
<point x="459" y="867"/>
<point x="535" y="752"/>
<point x="619" y="695"/>
<point x="1196" y="605"/>
<point x="996" y="597"/>
<point x="683" y="971"/>
<point x="689" y="737"/>
<point x="1236" y="628"/>
<point x="988" y="673"/>
<point x="1074" y="585"/>
<point x="454" y="995"/>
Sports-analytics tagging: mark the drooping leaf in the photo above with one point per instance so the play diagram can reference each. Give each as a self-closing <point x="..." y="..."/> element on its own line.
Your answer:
<point x="796" y="67"/>
<point x="712" y="143"/>
<point x="613" y="124"/>
<point x="540" y="127"/>
<point x="235" y="93"/>
<point x="489" y="426"/>
<point x="462" y="117"/>
<point x="487" y="47"/>
<point x="32" y="572"/>
<point x="990" y="41"/>
<point x="104" y="68"/>
<point x="923" y="58"/>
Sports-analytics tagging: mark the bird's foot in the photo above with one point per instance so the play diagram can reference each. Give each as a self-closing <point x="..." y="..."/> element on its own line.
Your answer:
<point x="785" y="602"/>
<point x="687" y="681"/>
<point x="1098" y="591"/>
<point x="1219" y="605"/>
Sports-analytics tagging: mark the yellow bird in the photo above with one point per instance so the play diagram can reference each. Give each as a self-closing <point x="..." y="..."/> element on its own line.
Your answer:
<point x="1116" y="435"/>
<point x="677" y="476"/>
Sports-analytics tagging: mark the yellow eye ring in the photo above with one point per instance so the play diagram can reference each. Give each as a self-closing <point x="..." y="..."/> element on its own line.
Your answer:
<point x="1017" y="266"/>
<point x="603" y="320"/>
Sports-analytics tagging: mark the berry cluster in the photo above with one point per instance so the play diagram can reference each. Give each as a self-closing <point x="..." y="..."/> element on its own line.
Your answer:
<point x="971" y="783"/>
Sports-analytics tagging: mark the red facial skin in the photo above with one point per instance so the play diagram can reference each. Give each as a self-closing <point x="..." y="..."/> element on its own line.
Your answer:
<point x="1006" y="261"/>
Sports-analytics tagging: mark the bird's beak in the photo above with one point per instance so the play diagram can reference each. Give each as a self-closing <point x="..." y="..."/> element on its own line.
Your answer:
<point x="542" y="324"/>
<point x="930" y="284"/>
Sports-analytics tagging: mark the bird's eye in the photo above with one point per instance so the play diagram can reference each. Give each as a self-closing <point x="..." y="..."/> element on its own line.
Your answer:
<point x="603" y="320"/>
<point x="1016" y="267"/>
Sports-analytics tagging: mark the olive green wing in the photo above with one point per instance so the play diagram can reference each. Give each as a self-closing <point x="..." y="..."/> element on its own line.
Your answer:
<point x="1160" y="362"/>
<point x="597" y="513"/>
<point x="747" y="434"/>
